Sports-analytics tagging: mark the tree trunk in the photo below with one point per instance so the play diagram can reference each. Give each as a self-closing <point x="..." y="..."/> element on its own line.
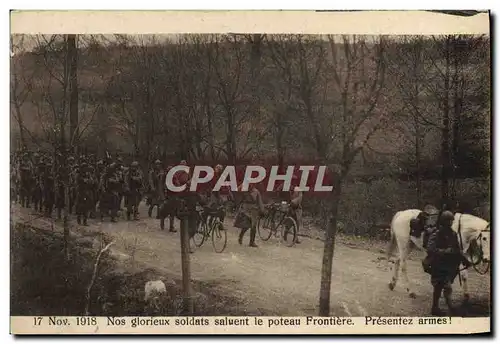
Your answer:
<point x="188" y="306"/>
<point x="73" y="89"/>
<point x="329" y="246"/>
<point x="445" y="139"/>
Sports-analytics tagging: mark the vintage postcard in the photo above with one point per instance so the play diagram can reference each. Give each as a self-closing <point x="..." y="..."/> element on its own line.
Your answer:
<point x="250" y="172"/>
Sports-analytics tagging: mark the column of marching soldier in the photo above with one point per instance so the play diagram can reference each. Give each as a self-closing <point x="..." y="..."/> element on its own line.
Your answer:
<point x="95" y="187"/>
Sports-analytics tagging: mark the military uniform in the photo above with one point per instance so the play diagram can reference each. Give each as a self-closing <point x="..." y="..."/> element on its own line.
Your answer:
<point x="26" y="181"/>
<point x="48" y="190"/>
<point x="444" y="257"/>
<point x="133" y="188"/>
<point x="248" y="215"/>
<point x="120" y="172"/>
<point x="156" y="179"/>
<point x="83" y="194"/>
<point x="37" y="195"/>
<point x="110" y="197"/>
<point x="168" y="208"/>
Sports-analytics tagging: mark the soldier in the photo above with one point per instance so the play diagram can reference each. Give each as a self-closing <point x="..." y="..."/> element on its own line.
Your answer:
<point x="83" y="194"/>
<point x="98" y="175"/>
<point x="48" y="189"/>
<point x="111" y="186"/>
<point x="37" y="183"/>
<point x="156" y="180"/>
<point x="168" y="208"/>
<point x="133" y="187"/>
<point x="214" y="199"/>
<point x="248" y="215"/>
<point x="13" y="183"/>
<point x="120" y="172"/>
<point x="26" y="180"/>
<point x="444" y="259"/>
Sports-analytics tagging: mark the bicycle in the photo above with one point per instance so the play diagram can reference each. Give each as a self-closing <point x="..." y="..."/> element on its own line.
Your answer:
<point x="278" y="214"/>
<point x="210" y="224"/>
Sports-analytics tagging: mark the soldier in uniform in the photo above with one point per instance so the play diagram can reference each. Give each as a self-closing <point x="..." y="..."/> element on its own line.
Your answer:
<point x="48" y="189"/>
<point x="248" y="215"/>
<point x="13" y="183"/>
<point x="98" y="174"/>
<point x="156" y="179"/>
<point x="84" y="185"/>
<point x="26" y="180"/>
<point x="168" y="208"/>
<point x="37" y="184"/>
<point x="444" y="258"/>
<point x="133" y="187"/>
<point x="120" y="172"/>
<point x="110" y="198"/>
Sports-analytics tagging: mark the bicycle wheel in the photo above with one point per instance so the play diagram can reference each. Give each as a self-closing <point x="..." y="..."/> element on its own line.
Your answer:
<point x="219" y="236"/>
<point x="264" y="227"/>
<point x="288" y="231"/>
<point x="199" y="236"/>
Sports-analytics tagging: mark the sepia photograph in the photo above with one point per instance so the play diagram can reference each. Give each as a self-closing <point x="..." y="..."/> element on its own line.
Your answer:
<point x="264" y="174"/>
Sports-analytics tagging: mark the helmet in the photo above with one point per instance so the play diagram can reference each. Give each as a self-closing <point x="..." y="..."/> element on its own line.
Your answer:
<point x="112" y="166"/>
<point x="183" y="162"/>
<point x="100" y="162"/>
<point x="157" y="162"/>
<point x="446" y="216"/>
<point x="134" y="164"/>
<point x="218" y="167"/>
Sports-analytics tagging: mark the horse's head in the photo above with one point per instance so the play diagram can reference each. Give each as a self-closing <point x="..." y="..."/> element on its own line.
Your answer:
<point x="483" y="241"/>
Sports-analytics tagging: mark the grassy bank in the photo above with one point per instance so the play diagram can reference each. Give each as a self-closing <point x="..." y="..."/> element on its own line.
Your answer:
<point x="43" y="282"/>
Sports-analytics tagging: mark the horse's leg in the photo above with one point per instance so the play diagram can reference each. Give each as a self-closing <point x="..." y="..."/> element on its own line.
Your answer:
<point x="395" y="275"/>
<point x="404" y="271"/>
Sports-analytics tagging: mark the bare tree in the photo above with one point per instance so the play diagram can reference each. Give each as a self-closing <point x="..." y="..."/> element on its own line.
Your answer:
<point x="358" y="69"/>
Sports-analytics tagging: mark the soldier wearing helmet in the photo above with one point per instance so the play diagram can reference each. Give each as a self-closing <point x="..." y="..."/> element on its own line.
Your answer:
<point x="120" y="172"/>
<point x="98" y="175"/>
<point x="110" y="197"/>
<point x="37" y="193"/>
<point x="133" y="188"/>
<point x="48" y="189"/>
<point x="444" y="256"/>
<point x="83" y="193"/>
<point x="156" y="179"/>
<point x="168" y="207"/>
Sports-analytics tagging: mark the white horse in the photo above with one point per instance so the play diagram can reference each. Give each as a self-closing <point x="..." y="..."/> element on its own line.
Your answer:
<point x="468" y="227"/>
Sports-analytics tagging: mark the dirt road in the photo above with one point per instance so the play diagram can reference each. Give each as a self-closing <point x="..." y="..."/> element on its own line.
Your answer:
<point x="282" y="280"/>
